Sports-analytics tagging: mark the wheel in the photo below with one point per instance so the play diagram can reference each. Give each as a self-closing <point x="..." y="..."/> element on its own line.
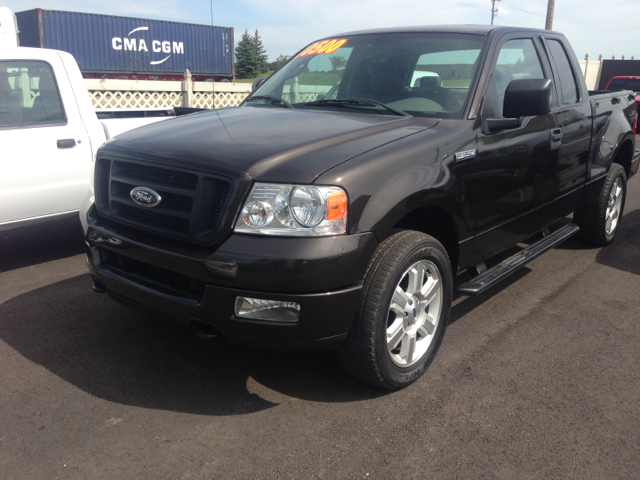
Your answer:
<point x="404" y="313"/>
<point x="599" y="220"/>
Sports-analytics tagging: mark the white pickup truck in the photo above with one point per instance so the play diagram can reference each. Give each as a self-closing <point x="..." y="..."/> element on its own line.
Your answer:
<point x="49" y="131"/>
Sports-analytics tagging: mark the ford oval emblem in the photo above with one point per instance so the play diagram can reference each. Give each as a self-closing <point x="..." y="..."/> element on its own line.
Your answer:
<point x="145" y="197"/>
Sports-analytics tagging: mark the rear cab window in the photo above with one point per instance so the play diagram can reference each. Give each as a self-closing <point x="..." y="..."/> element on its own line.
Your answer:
<point x="29" y="95"/>
<point x="564" y="71"/>
<point x="618" y="84"/>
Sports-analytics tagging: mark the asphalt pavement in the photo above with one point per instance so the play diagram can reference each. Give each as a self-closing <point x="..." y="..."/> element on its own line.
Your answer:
<point x="537" y="378"/>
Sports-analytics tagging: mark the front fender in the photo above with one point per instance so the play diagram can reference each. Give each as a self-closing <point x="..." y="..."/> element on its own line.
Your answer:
<point x="386" y="184"/>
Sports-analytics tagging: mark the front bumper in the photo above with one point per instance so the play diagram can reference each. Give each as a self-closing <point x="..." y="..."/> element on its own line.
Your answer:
<point x="198" y="287"/>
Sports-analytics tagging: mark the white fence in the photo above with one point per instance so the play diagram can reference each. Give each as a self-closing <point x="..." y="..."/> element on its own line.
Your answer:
<point x="109" y="93"/>
<point x="592" y="70"/>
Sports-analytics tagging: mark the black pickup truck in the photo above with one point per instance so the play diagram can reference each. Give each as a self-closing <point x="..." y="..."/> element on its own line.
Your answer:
<point x="355" y="189"/>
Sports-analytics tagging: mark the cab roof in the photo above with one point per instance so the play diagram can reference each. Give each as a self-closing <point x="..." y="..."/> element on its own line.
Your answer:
<point x="483" y="30"/>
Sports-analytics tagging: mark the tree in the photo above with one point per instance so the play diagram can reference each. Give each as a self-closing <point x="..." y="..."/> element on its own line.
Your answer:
<point x="260" y="53"/>
<point x="248" y="64"/>
<point x="281" y="60"/>
<point x="251" y="58"/>
<point x="337" y="62"/>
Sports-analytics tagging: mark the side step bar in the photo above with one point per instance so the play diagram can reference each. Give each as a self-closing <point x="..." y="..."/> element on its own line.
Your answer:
<point x="508" y="266"/>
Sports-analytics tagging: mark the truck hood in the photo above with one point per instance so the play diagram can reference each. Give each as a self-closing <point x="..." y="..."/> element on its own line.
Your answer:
<point x="269" y="143"/>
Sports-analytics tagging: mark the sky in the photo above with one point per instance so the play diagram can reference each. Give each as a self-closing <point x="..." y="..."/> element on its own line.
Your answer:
<point x="285" y="26"/>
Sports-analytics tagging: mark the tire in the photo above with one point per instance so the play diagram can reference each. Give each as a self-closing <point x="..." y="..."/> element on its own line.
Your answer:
<point x="599" y="220"/>
<point x="392" y="343"/>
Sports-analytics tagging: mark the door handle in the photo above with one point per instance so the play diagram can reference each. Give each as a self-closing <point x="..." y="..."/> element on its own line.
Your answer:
<point x="556" y="134"/>
<point x="66" y="143"/>
<point x="556" y="138"/>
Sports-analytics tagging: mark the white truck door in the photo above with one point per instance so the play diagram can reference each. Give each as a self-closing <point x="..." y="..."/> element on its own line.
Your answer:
<point x="45" y="152"/>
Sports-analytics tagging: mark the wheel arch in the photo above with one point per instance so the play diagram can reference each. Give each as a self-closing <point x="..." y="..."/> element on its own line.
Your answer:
<point x="433" y="220"/>
<point x="624" y="155"/>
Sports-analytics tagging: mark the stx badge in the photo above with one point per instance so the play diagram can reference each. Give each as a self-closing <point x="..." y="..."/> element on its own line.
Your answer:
<point x="466" y="155"/>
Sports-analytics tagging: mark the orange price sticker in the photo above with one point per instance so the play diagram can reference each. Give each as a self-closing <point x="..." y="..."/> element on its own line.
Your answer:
<point x="325" y="46"/>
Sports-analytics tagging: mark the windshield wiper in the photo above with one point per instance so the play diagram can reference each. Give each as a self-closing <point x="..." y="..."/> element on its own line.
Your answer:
<point x="357" y="101"/>
<point x="279" y="101"/>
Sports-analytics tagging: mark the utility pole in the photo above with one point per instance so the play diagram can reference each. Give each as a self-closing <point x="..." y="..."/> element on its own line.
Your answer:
<point x="494" y="10"/>
<point x="550" y="6"/>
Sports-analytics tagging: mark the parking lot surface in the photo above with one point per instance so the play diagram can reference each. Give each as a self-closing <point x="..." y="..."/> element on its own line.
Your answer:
<point x="537" y="378"/>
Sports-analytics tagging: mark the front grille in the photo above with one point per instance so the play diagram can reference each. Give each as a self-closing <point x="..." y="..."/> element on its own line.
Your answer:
<point x="147" y="171"/>
<point x="192" y="207"/>
<point x="133" y="214"/>
<point x="153" y="277"/>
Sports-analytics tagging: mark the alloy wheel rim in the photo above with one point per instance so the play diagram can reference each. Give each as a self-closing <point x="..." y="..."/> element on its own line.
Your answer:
<point x="614" y="207"/>
<point x="414" y="313"/>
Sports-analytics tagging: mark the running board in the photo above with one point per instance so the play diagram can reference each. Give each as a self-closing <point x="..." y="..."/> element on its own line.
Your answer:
<point x="508" y="266"/>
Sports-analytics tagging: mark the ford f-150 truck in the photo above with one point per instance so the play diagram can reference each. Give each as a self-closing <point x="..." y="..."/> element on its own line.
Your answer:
<point x="346" y="217"/>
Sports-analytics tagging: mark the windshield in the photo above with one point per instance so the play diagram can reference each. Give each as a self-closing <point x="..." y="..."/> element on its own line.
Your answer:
<point x="618" y="84"/>
<point x="417" y="73"/>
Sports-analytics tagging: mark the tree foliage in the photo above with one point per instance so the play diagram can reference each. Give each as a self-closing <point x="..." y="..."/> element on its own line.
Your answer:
<point x="338" y="62"/>
<point x="281" y="60"/>
<point x="261" y="53"/>
<point x="251" y="58"/>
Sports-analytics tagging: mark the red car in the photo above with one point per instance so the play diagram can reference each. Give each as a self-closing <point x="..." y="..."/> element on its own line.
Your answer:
<point x="627" y="83"/>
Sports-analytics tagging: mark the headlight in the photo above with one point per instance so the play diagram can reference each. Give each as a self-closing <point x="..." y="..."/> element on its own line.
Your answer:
<point x="298" y="210"/>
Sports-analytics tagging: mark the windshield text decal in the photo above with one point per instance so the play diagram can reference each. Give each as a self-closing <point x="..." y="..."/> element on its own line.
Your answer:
<point x="325" y="46"/>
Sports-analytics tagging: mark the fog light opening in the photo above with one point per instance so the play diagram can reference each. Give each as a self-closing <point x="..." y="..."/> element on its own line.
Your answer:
<point x="277" y="311"/>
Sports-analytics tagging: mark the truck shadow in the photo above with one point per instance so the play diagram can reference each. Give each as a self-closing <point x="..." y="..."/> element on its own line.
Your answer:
<point x="53" y="240"/>
<point x="624" y="252"/>
<point x="128" y="357"/>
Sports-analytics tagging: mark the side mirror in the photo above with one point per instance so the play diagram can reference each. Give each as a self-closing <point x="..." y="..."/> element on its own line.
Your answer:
<point x="256" y="83"/>
<point x="527" y="97"/>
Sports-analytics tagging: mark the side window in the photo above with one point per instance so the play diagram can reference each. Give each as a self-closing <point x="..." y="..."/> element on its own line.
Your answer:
<point x="566" y="76"/>
<point x="517" y="60"/>
<point x="28" y="94"/>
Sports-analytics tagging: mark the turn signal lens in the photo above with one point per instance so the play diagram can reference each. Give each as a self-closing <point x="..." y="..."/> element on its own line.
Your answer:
<point x="337" y="206"/>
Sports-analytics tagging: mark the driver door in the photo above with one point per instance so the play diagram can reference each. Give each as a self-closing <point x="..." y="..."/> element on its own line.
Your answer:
<point x="515" y="167"/>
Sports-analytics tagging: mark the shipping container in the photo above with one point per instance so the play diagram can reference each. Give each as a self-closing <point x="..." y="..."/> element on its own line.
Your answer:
<point x="106" y="45"/>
